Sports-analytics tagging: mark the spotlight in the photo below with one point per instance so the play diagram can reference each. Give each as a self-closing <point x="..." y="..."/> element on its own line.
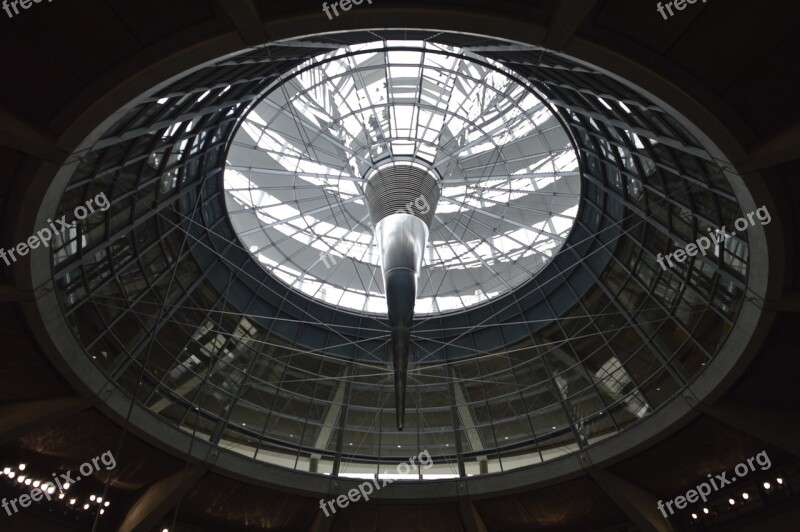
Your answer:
<point x="7" y="470"/>
<point x="21" y="478"/>
<point x="705" y="510"/>
<point x="92" y="498"/>
<point x="22" y="467"/>
<point x="36" y="483"/>
<point x="779" y="480"/>
<point x="27" y="482"/>
<point x="106" y="503"/>
<point x="731" y="502"/>
<point x="767" y="485"/>
<point x="694" y="516"/>
<point x="745" y="495"/>
<point x="60" y="495"/>
<point x="99" y="499"/>
<point x="11" y="474"/>
<point x="86" y="506"/>
<point x="66" y="485"/>
<point x="51" y="490"/>
<point x="102" y="511"/>
<point x="72" y="501"/>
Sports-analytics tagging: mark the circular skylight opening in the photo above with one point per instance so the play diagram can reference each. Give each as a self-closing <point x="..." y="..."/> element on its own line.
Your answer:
<point x="298" y="166"/>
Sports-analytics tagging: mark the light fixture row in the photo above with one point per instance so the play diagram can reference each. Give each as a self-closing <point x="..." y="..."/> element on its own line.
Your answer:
<point x="49" y="488"/>
<point x="745" y="496"/>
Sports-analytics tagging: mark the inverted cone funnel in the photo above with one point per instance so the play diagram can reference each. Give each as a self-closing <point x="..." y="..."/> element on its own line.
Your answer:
<point x="402" y="202"/>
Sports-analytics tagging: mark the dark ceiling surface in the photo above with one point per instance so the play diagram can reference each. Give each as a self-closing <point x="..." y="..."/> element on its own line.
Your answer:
<point x="737" y="58"/>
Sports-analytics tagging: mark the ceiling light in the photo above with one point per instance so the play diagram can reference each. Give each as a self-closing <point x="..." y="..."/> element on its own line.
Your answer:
<point x="11" y="474"/>
<point x="66" y="485"/>
<point x="106" y="503"/>
<point x="72" y="501"/>
<point x="731" y="502"/>
<point x="694" y="516"/>
<point x="767" y="485"/>
<point x="745" y="496"/>
<point x="102" y="511"/>
<point x="22" y="467"/>
<point x="779" y="480"/>
<point x="705" y="510"/>
<point x="21" y="478"/>
<point x="36" y="483"/>
<point x="86" y="506"/>
<point x="99" y="499"/>
<point x="92" y="498"/>
<point x="51" y="490"/>
<point x="60" y="495"/>
<point x="27" y="482"/>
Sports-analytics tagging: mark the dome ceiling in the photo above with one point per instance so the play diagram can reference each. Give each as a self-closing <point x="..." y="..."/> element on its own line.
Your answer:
<point x="200" y="291"/>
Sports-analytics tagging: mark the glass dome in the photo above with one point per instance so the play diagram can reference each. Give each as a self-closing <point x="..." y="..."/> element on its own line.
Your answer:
<point x="299" y="161"/>
<point x="167" y="307"/>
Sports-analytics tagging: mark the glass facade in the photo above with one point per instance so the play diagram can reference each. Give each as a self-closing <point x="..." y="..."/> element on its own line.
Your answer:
<point x="173" y="308"/>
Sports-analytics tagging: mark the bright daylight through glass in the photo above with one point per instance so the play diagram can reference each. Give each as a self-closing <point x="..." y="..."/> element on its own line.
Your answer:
<point x="297" y="170"/>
